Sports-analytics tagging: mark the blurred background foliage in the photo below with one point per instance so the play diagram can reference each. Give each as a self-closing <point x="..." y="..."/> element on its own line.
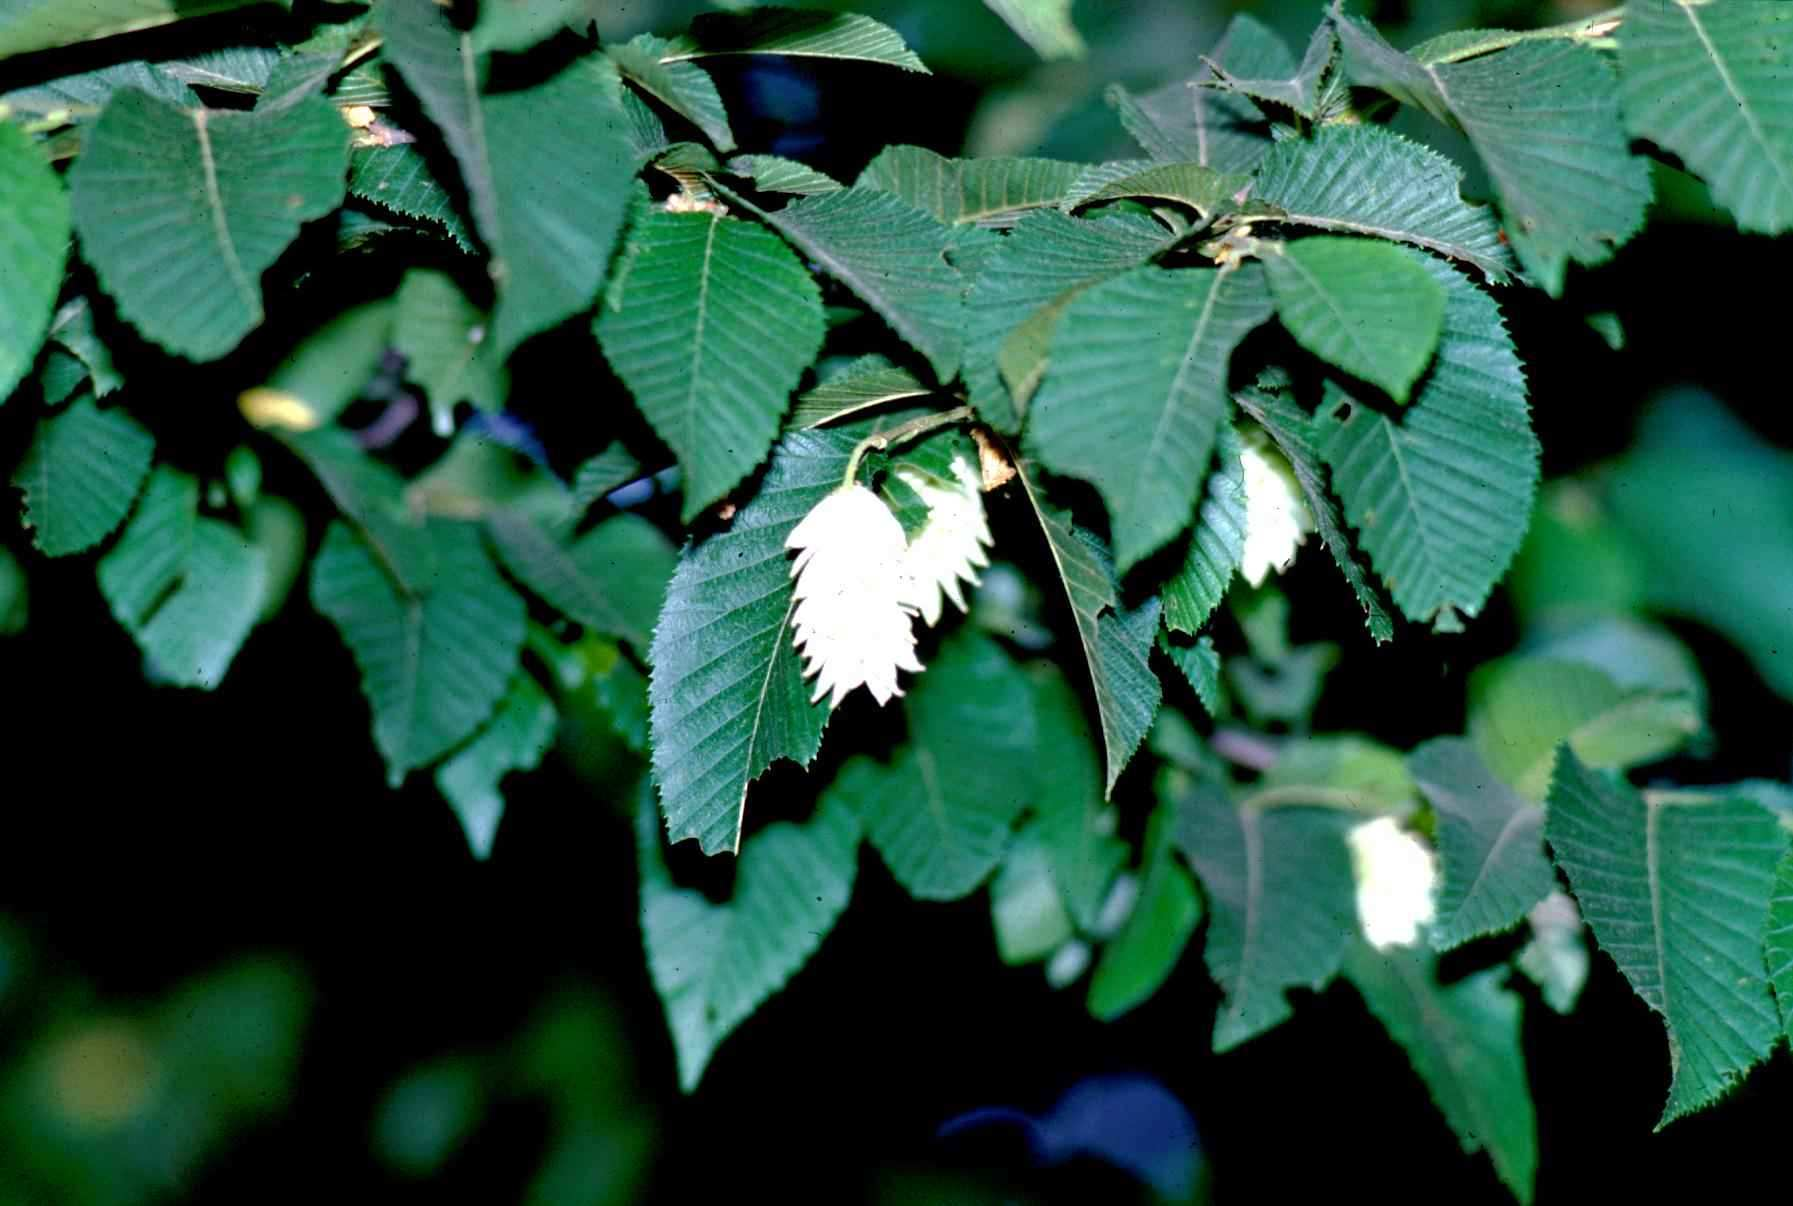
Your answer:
<point x="233" y="967"/>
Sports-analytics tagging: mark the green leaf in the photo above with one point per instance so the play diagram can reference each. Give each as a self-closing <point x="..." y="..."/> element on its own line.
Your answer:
<point x="1141" y="956"/>
<point x="1116" y="648"/>
<point x="443" y="337"/>
<point x="1137" y="390"/>
<point x="599" y="475"/>
<point x="516" y="25"/>
<point x="73" y="328"/>
<point x="187" y="589"/>
<point x="941" y="811"/>
<point x="1368" y="307"/>
<point x="1026" y="910"/>
<point x="1779" y="942"/>
<point x="612" y="579"/>
<point x="795" y="32"/>
<point x="80" y="475"/>
<point x="1189" y="122"/>
<point x="1340" y="771"/>
<point x="328" y="368"/>
<point x="1728" y="564"/>
<point x="1217" y="545"/>
<point x="892" y="255"/>
<point x="1074" y="827"/>
<point x="1199" y="663"/>
<point x="371" y="495"/>
<point x="1202" y="189"/>
<point x="1457" y="44"/>
<point x="399" y="178"/>
<point x="988" y="191"/>
<point x="547" y="169"/>
<point x="1279" y="80"/>
<point x="240" y="69"/>
<point x="1711" y="83"/>
<point x="1291" y="430"/>
<point x="1367" y="180"/>
<point x="710" y="322"/>
<point x="519" y="733"/>
<point x="1044" y="25"/>
<point x="28" y="25"/>
<point x="433" y="665"/>
<point x="867" y="382"/>
<point x="1490" y="839"/>
<point x="77" y="99"/>
<point x="1281" y="903"/>
<point x="728" y="692"/>
<point x="772" y="174"/>
<point x="1441" y="499"/>
<point x="685" y="88"/>
<point x="1464" y="1041"/>
<point x="34" y="229"/>
<point x="1676" y="889"/>
<point x="1555" y="958"/>
<point x="1521" y="709"/>
<point x="1544" y="117"/>
<point x="220" y="193"/>
<point x="713" y="965"/>
<point x="1025" y="286"/>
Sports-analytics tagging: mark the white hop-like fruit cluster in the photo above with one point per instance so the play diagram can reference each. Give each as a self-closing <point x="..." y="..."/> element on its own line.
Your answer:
<point x="1277" y="519"/>
<point x="861" y="584"/>
<point x="1397" y="878"/>
<point x="852" y="619"/>
<point x="949" y="549"/>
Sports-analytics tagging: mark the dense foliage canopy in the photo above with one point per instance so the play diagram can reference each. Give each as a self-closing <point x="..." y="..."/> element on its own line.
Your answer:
<point x="1095" y="406"/>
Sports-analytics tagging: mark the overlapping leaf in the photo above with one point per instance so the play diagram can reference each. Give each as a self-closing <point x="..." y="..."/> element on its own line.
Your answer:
<point x="1490" y="839"/>
<point x="1441" y="499"/>
<point x="1044" y="25"/>
<point x="1189" y="122"/>
<point x="1143" y="953"/>
<point x="515" y="739"/>
<point x="180" y="210"/>
<point x="1713" y="83"/>
<point x="27" y="25"/>
<point x="796" y="32"/>
<point x="1464" y="1041"/>
<point x="1137" y="390"/>
<point x="710" y="322"/>
<point x="399" y="178"/>
<point x="547" y="169"/>
<point x="1216" y="545"/>
<point x="1203" y="189"/>
<point x="990" y="191"/>
<point x="1023" y="289"/>
<point x="612" y="579"/>
<point x="1368" y="307"/>
<point x="867" y="382"/>
<point x="713" y="965"/>
<point x="1273" y="76"/>
<point x="1075" y="827"/>
<point x="1544" y="117"/>
<point x="1521" y="709"/>
<point x="1289" y="426"/>
<point x="34" y="228"/>
<point x="728" y="692"/>
<point x="1116" y="648"/>
<point x="685" y="88"/>
<point x="187" y="589"/>
<point x="1676" y="889"/>
<point x="1370" y="181"/>
<point x="772" y="174"/>
<point x="1280" y="903"/>
<point x="80" y="474"/>
<point x="433" y="664"/>
<point x="941" y="811"/>
<point x="892" y="255"/>
<point x="444" y="338"/>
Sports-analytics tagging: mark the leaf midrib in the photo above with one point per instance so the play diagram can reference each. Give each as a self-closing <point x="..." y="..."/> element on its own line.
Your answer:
<point x="1743" y="107"/>
<point x="214" y="197"/>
